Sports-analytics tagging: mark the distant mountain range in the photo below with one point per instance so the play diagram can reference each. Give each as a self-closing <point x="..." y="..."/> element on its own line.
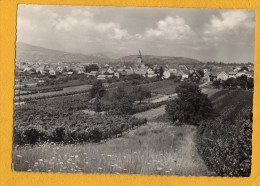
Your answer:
<point x="26" y="52"/>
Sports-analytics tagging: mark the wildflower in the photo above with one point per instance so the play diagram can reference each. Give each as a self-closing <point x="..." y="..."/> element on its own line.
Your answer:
<point x="159" y="168"/>
<point x="29" y="170"/>
<point x="19" y="156"/>
<point x="99" y="168"/>
<point x="109" y="155"/>
<point x="40" y="160"/>
<point x="76" y="156"/>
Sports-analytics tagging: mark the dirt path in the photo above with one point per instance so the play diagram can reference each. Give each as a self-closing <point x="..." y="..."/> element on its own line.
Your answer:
<point x="188" y="160"/>
<point x="152" y="113"/>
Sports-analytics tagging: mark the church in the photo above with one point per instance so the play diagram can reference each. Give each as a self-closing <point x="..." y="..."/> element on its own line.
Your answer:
<point x="142" y="69"/>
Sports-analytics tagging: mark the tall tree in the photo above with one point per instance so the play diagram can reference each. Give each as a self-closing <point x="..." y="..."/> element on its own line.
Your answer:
<point x="161" y="72"/>
<point x="141" y="93"/>
<point x="190" y="106"/>
<point x="97" y="90"/>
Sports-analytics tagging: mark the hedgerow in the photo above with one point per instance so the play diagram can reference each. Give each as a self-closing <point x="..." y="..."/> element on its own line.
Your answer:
<point x="225" y="143"/>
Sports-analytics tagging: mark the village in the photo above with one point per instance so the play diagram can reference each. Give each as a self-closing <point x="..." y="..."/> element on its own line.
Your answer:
<point x="29" y="74"/>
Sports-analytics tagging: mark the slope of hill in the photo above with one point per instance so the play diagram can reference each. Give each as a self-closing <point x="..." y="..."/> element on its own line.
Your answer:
<point x="26" y="52"/>
<point x="152" y="60"/>
<point x="36" y="54"/>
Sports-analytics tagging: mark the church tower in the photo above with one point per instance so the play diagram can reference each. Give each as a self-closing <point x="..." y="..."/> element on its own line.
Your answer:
<point x="139" y="59"/>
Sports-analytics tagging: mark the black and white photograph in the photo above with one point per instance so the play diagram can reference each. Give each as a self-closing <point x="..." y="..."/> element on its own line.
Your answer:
<point x="133" y="90"/>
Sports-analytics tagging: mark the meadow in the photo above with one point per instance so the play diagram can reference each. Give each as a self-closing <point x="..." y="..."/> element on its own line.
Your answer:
<point x="63" y="91"/>
<point x="156" y="148"/>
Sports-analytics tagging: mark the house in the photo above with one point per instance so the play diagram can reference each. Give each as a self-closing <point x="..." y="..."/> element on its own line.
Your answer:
<point x="183" y="67"/>
<point x="232" y="74"/>
<point x="59" y="69"/>
<point x="222" y="76"/>
<point x="240" y="74"/>
<point x="205" y="70"/>
<point x="27" y="69"/>
<point x="129" y="71"/>
<point x="117" y="74"/>
<point x="41" y="70"/>
<point x="150" y="73"/>
<point x="93" y="73"/>
<point x="110" y="71"/>
<point x="206" y="77"/>
<point x="52" y="72"/>
<point x="195" y="76"/>
<point x="184" y="76"/>
<point x="104" y="77"/>
<point x="180" y="73"/>
<point x="166" y="74"/>
<point x="69" y="73"/>
<point x="141" y="70"/>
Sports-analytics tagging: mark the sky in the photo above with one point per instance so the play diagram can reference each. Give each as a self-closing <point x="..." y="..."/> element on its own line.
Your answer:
<point x="225" y="35"/>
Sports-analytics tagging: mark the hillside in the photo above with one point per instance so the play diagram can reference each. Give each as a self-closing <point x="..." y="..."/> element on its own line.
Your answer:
<point x="26" y="52"/>
<point x="152" y="60"/>
<point x="31" y="53"/>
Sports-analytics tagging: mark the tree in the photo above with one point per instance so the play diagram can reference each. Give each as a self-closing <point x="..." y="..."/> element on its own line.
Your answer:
<point x="242" y="81"/>
<point x="92" y="67"/>
<point x="97" y="90"/>
<point x="250" y="83"/>
<point x="120" y="101"/>
<point x="201" y="73"/>
<point x="243" y="69"/>
<point x="141" y="93"/>
<point x="230" y="83"/>
<point x="191" y="106"/>
<point x="161" y="72"/>
<point x="216" y="83"/>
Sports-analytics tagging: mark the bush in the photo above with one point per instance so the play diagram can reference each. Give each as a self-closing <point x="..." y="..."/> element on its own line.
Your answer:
<point x="225" y="144"/>
<point x="191" y="106"/>
<point x="36" y="126"/>
<point x="226" y="148"/>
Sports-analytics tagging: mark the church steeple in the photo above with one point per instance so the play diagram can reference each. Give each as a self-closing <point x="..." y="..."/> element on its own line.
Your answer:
<point x="139" y="59"/>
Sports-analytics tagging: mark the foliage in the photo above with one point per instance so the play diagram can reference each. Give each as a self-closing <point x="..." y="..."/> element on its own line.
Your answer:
<point x="216" y="84"/>
<point x="91" y="67"/>
<point x="120" y="101"/>
<point x="141" y="93"/>
<point x="161" y="72"/>
<point x="191" y="106"/>
<point x="225" y="143"/>
<point x="250" y="83"/>
<point x="201" y="73"/>
<point x="37" y="124"/>
<point x="98" y="90"/>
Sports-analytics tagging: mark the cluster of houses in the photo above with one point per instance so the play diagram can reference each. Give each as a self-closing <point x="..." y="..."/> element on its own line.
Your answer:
<point x="198" y="72"/>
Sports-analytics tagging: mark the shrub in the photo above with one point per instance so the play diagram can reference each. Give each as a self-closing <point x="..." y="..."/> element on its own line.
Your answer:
<point x="191" y="106"/>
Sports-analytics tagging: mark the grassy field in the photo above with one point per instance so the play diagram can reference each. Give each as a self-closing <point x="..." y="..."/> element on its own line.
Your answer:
<point x="157" y="148"/>
<point x="64" y="91"/>
<point x="165" y="87"/>
<point x="70" y="83"/>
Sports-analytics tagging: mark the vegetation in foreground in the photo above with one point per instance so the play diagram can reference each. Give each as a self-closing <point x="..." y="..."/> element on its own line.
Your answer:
<point x="156" y="148"/>
<point x="225" y="143"/>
